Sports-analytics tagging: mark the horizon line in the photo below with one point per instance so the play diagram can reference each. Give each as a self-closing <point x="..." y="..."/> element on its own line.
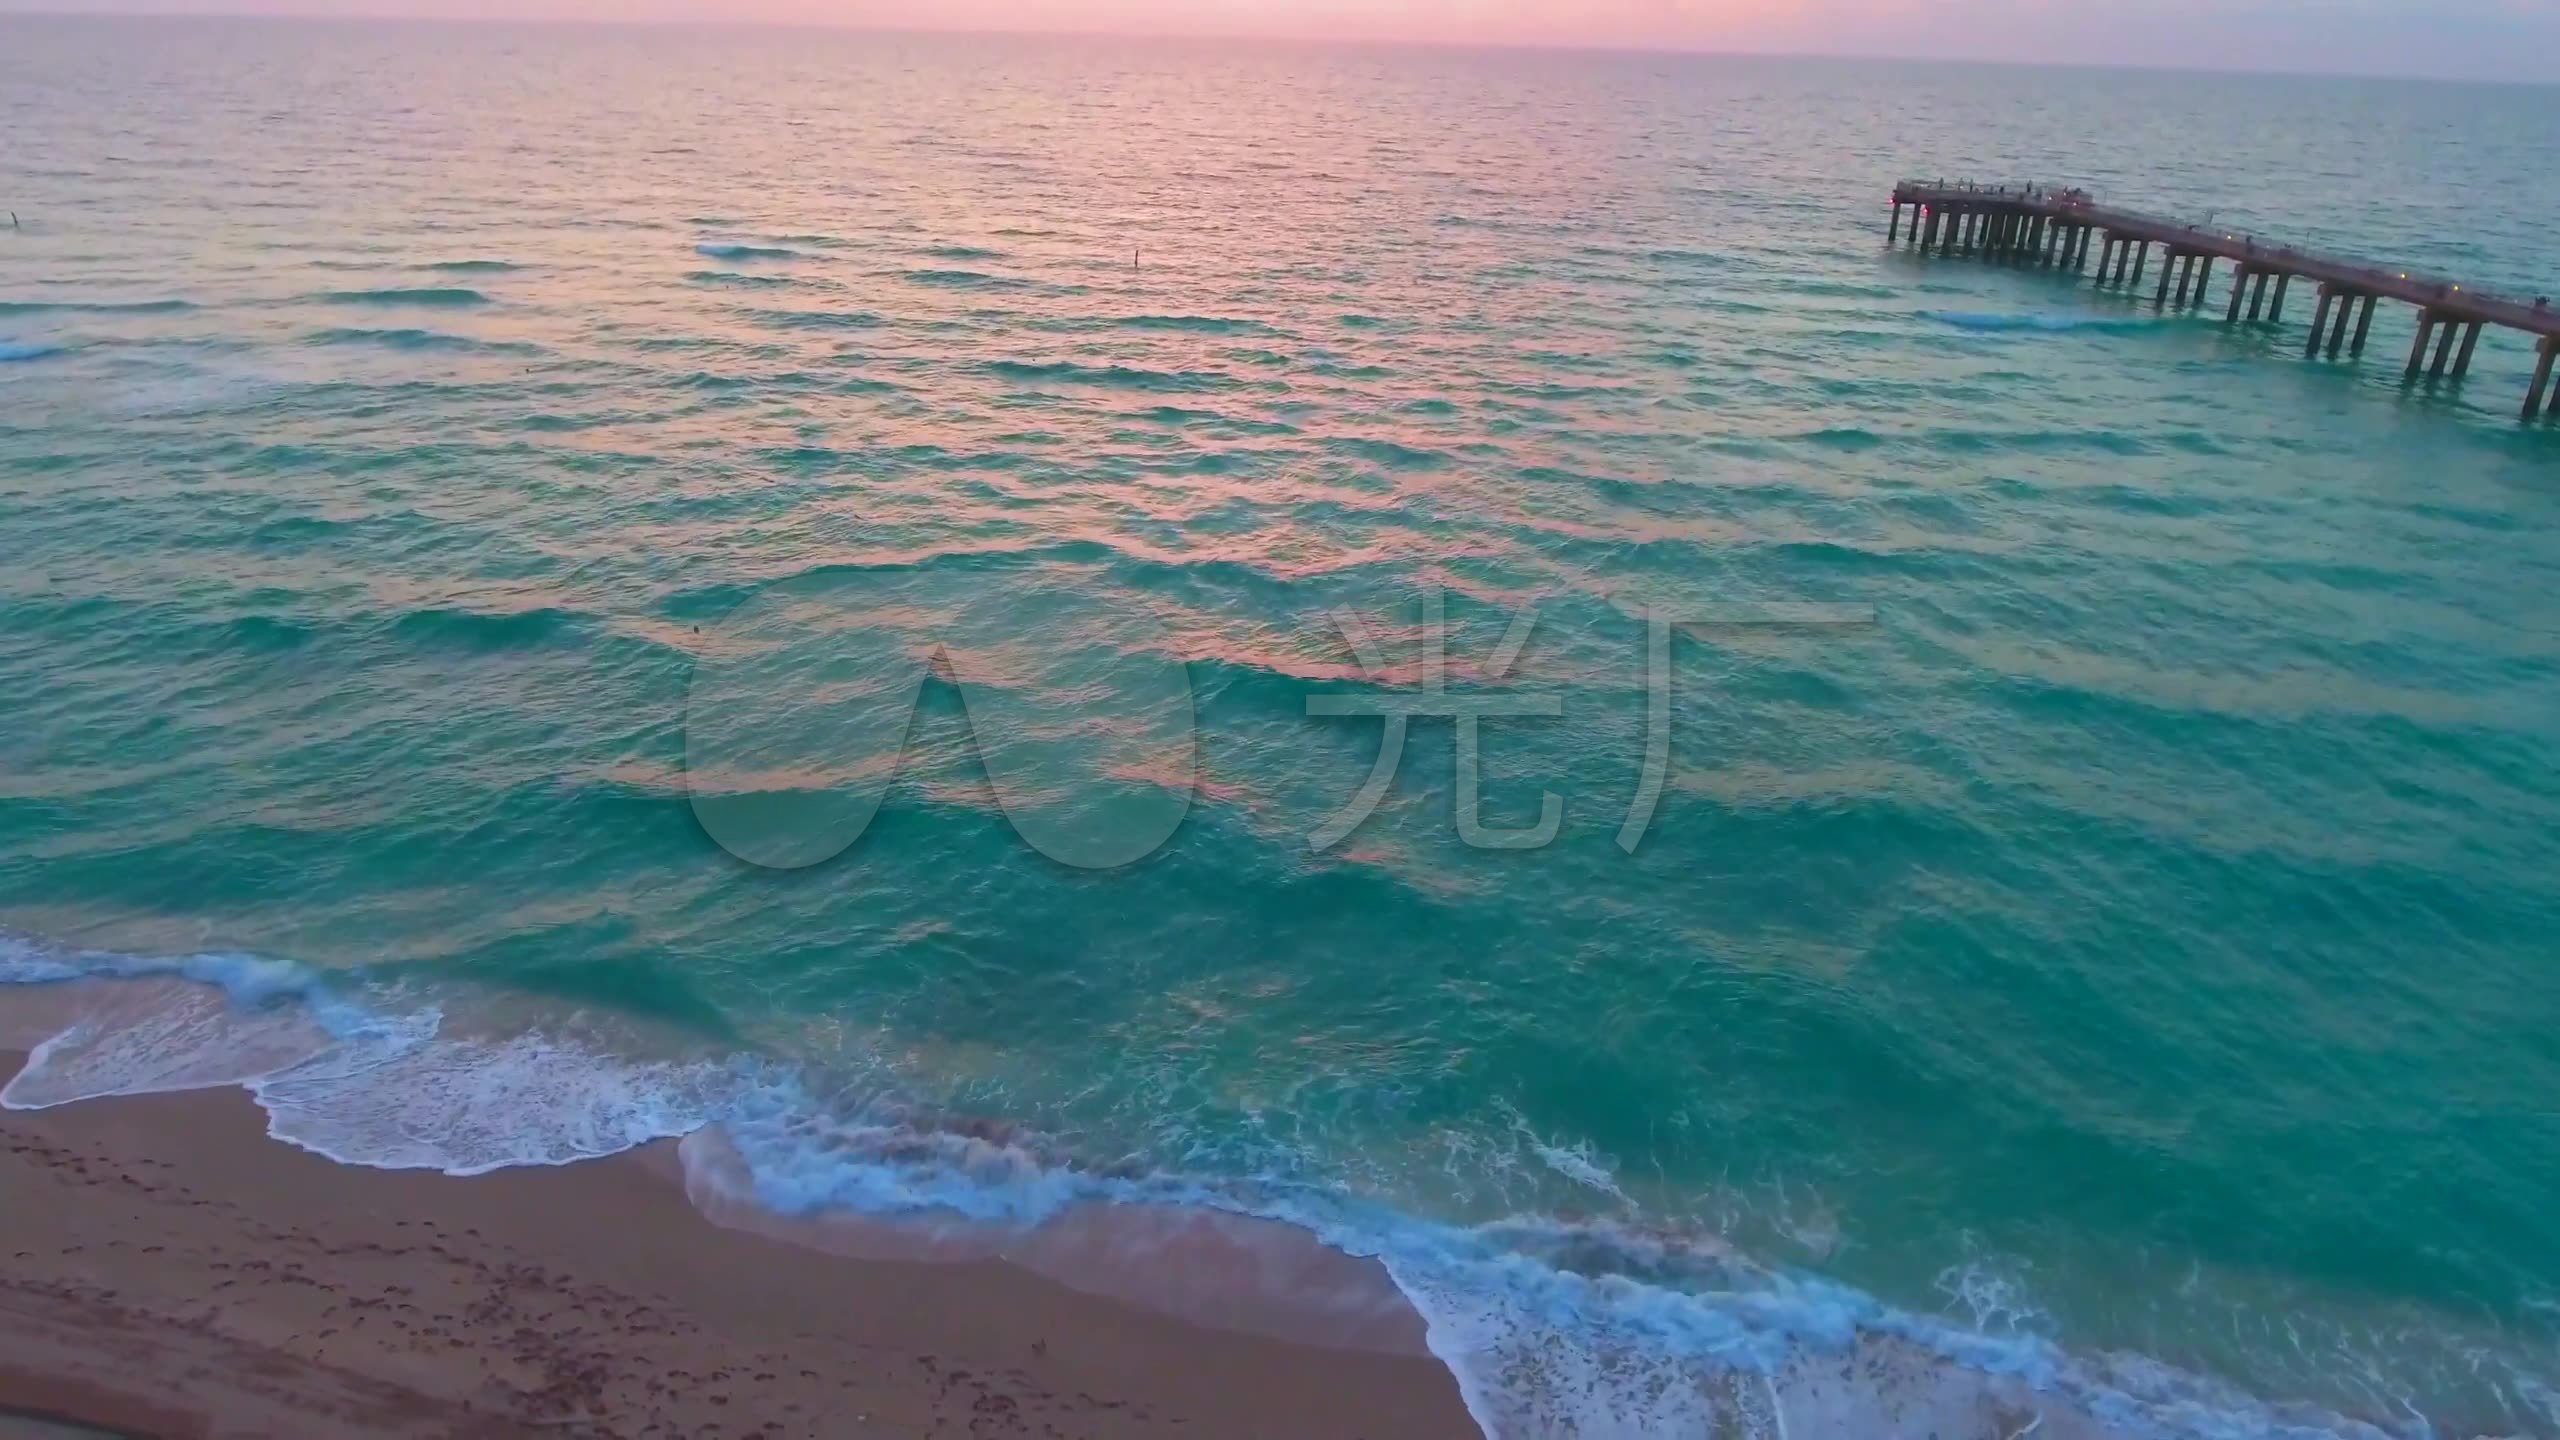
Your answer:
<point x="146" y="11"/>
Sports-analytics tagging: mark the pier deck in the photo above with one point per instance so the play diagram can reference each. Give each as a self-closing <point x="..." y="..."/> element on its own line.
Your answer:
<point x="2054" y="226"/>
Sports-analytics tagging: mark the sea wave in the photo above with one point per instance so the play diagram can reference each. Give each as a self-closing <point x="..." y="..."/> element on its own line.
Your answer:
<point x="732" y="277"/>
<point x="1199" y="324"/>
<point x="1113" y="377"/>
<point x="411" y="338"/>
<point x="734" y="251"/>
<point x="94" y="307"/>
<point x="815" y="319"/>
<point x="14" y="350"/>
<point x="431" y="296"/>
<point x="962" y="279"/>
<point x="486" y="630"/>
<point x="354" y="1076"/>
<point x="1552" y="1326"/>
<point x="1993" y="322"/>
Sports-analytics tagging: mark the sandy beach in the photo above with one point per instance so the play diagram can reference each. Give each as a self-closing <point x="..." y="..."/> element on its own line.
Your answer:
<point x="172" y="1272"/>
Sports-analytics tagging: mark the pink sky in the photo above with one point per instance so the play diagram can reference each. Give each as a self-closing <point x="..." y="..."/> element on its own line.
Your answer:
<point x="2504" y="39"/>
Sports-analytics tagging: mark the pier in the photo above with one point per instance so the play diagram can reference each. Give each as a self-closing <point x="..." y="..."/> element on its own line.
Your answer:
<point x="2062" y="228"/>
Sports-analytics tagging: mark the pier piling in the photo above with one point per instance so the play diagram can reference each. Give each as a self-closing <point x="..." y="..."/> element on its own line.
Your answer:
<point x="2541" y="376"/>
<point x="2364" y="323"/>
<point x="2444" y="349"/>
<point x="2470" y="341"/>
<point x="2338" y="327"/>
<point x="2418" y="347"/>
<point x="2319" y="322"/>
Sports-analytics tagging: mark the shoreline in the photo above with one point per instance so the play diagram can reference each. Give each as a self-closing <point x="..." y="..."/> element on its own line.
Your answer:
<point x="174" y="1272"/>
<point x="179" y="1270"/>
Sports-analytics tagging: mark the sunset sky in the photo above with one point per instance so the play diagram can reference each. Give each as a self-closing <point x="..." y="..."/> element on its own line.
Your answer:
<point x="2502" y="39"/>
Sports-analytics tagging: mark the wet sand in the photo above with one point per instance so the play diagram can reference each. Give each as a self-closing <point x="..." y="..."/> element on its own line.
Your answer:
<point x="172" y="1272"/>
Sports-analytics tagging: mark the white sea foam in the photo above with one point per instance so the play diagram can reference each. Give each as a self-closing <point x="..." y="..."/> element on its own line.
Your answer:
<point x="1597" y="1330"/>
<point x="346" y="1076"/>
<point x="1574" y="1162"/>
<point x="467" y="1107"/>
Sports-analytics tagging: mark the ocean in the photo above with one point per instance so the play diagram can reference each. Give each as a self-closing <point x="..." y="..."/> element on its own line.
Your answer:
<point x="1439" y="647"/>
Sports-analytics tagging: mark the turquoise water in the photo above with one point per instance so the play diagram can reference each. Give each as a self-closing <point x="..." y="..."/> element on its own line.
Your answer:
<point x="479" y="504"/>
